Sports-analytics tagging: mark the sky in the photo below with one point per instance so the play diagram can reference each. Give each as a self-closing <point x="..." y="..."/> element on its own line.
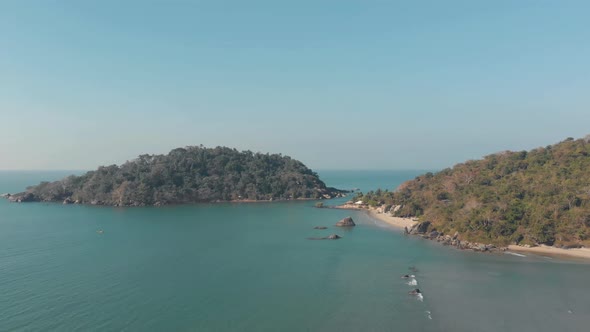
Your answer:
<point x="336" y="84"/>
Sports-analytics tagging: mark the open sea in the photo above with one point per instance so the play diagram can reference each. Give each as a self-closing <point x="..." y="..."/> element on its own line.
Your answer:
<point x="250" y="267"/>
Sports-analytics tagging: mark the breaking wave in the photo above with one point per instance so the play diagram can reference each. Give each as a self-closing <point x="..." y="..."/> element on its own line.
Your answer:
<point x="514" y="254"/>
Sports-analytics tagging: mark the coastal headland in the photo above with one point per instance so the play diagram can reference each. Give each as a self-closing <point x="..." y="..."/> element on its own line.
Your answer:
<point x="411" y="226"/>
<point x="536" y="201"/>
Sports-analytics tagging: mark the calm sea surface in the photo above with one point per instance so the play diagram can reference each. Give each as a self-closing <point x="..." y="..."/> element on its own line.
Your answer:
<point x="250" y="267"/>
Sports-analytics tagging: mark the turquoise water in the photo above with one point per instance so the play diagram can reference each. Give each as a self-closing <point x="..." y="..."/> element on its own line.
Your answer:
<point x="250" y="267"/>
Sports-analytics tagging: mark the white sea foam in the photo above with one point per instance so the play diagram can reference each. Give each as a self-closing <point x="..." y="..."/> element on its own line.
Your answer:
<point x="514" y="254"/>
<point x="428" y="314"/>
<point x="413" y="282"/>
<point x="420" y="297"/>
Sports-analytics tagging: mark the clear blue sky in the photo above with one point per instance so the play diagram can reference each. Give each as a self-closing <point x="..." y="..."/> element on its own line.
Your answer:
<point x="336" y="84"/>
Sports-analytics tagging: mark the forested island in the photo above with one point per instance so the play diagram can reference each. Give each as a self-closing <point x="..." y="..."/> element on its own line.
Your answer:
<point x="528" y="198"/>
<point x="187" y="175"/>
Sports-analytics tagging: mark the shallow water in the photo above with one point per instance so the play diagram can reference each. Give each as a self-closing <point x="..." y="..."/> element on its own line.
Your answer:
<point x="250" y="267"/>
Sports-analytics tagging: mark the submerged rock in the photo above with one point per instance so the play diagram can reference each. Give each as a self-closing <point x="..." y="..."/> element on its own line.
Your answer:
<point x="415" y="292"/>
<point x="329" y="237"/>
<point x="346" y="222"/>
<point x="320" y="227"/>
<point x="333" y="237"/>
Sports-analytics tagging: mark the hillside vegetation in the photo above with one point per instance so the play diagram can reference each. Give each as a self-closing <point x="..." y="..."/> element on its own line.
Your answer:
<point x="187" y="175"/>
<point x="536" y="197"/>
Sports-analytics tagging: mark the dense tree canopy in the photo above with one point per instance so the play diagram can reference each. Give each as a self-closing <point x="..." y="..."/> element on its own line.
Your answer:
<point x="540" y="196"/>
<point x="186" y="175"/>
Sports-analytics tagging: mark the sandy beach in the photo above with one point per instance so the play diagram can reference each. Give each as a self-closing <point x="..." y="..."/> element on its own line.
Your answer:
<point x="386" y="218"/>
<point x="393" y="221"/>
<point x="552" y="251"/>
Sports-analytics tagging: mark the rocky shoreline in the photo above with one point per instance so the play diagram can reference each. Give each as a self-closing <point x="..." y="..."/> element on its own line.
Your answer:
<point x="422" y="229"/>
<point x="189" y="175"/>
<point x="425" y="230"/>
<point x="27" y="197"/>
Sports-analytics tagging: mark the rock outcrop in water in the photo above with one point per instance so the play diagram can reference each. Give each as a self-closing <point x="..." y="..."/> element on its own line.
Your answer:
<point x="415" y="292"/>
<point x="346" y="222"/>
<point x="329" y="237"/>
<point x="187" y="175"/>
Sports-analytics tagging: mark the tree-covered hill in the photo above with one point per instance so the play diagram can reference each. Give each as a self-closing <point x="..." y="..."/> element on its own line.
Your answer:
<point x="187" y="175"/>
<point x="536" y="197"/>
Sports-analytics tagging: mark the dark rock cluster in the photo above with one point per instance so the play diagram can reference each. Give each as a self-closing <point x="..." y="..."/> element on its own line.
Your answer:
<point x="423" y="229"/>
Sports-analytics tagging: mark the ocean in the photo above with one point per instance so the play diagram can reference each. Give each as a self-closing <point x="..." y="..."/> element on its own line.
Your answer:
<point x="251" y="267"/>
